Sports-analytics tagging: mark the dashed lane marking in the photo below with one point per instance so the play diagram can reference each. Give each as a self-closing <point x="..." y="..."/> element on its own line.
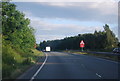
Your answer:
<point x="98" y="75"/>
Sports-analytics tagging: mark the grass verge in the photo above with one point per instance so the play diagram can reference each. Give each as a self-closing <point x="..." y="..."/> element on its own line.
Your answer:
<point x="26" y="64"/>
<point x="104" y="56"/>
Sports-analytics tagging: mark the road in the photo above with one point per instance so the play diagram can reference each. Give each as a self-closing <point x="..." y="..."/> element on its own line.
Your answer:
<point x="60" y="65"/>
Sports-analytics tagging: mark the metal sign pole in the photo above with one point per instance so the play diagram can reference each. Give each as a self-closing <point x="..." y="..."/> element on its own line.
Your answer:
<point x="82" y="49"/>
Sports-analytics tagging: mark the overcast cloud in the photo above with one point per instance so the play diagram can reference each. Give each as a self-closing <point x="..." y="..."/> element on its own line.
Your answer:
<point x="83" y="11"/>
<point x="57" y="20"/>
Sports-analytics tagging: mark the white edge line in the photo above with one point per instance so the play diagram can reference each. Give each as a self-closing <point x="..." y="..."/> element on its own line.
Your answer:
<point x="101" y="59"/>
<point x="39" y="68"/>
<point x="107" y="60"/>
<point x="98" y="75"/>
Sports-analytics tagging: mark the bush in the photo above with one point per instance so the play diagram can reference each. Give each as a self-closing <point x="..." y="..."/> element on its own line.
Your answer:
<point x="7" y="70"/>
<point x="8" y="55"/>
<point x="27" y="61"/>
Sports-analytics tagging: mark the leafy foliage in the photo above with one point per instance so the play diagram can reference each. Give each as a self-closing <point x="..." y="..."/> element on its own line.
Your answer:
<point x="16" y="27"/>
<point x="119" y="44"/>
<point x="17" y="39"/>
<point x="99" y="40"/>
<point x="111" y="40"/>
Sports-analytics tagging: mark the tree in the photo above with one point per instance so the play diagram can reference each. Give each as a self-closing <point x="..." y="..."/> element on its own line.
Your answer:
<point x="15" y="27"/>
<point x="111" y="40"/>
<point x="99" y="40"/>
<point x="17" y="39"/>
<point x="119" y="44"/>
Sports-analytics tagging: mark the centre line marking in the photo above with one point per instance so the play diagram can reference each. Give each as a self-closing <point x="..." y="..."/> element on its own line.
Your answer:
<point x="98" y="75"/>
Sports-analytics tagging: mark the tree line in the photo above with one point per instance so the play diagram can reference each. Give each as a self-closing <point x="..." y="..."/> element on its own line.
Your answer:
<point x="17" y="39"/>
<point x="99" y="40"/>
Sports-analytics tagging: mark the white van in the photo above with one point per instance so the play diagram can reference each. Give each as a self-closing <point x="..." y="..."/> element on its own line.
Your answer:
<point x="48" y="48"/>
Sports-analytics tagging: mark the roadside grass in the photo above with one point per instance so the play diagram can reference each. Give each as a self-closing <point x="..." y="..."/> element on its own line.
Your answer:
<point x="21" y="64"/>
<point x="104" y="56"/>
<point x="20" y="70"/>
<point x="37" y="55"/>
<point x="33" y="59"/>
<point x="0" y="56"/>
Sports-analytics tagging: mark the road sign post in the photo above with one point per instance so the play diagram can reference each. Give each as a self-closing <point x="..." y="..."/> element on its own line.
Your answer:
<point x="81" y="48"/>
<point x="82" y="45"/>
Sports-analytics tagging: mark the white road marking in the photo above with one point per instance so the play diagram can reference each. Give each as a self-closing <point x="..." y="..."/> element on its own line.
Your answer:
<point x="39" y="68"/>
<point x="98" y="58"/>
<point x="107" y="60"/>
<point x="98" y="75"/>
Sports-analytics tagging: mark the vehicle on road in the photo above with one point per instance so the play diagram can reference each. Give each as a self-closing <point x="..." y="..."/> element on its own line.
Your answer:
<point x="47" y="49"/>
<point x="116" y="50"/>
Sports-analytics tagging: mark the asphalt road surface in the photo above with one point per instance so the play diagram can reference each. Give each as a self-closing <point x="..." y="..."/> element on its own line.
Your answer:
<point x="58" y="65"/>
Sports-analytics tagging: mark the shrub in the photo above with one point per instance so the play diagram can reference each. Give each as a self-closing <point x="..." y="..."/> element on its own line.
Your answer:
<point x="27" y="61"/>
<point x="7" y="70"/>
